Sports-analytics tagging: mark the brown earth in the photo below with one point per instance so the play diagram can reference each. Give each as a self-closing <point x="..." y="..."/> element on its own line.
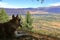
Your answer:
<point x="55" y="23"/>
<point x="36" y="36"/>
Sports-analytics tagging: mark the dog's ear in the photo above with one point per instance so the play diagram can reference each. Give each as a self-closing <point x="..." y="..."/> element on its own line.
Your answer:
<point x="13" y="16"/>
<point x="17" y="16"/>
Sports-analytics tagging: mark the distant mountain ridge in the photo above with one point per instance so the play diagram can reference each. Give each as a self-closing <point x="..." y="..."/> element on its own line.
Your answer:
<point x="53" y="9"/>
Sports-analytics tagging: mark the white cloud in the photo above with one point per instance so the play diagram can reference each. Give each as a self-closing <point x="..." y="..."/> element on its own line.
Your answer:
<point x="6" y="5"/>
<point x="55" y="4"/>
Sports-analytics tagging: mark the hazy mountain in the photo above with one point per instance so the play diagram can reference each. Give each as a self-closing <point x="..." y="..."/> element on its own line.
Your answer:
<point x="39" y="10"/>
<point x="53" y="9"/>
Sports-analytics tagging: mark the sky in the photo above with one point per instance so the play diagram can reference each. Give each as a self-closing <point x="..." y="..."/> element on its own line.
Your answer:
<point x="28" y="3"/>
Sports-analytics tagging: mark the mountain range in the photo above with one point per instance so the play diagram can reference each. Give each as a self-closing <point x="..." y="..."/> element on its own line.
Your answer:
<point x="39" y="10"/>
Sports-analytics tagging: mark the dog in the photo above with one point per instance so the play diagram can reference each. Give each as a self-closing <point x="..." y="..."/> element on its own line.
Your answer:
<point x="7" y="29"/>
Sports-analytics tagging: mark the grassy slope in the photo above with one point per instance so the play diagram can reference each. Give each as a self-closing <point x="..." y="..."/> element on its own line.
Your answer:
<point x="48" y="25"/>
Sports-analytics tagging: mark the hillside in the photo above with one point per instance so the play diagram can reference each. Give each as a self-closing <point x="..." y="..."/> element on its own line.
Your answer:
<point x="39" y="10"/>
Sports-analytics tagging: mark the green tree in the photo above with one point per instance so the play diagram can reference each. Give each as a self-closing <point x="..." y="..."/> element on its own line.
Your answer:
<point x="28" y="21"/>
<point x="3" y="16"/>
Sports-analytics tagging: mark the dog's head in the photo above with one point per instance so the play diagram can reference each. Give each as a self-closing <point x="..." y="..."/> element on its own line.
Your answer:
<point x="16" y="20"/>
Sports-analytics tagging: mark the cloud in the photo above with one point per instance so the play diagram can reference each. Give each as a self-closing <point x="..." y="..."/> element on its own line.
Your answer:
<point x="6" y="5"/>
<point x="55" y="4"/>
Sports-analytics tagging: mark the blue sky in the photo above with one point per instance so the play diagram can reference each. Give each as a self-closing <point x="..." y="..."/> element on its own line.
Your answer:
<point x="28" y="3"/>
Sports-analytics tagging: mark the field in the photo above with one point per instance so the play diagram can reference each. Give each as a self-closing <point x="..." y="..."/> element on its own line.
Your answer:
<point x="46" y="24"/>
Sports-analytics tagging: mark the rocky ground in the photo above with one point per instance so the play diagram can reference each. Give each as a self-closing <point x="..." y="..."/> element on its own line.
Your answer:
<point x="35" y="36"/>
